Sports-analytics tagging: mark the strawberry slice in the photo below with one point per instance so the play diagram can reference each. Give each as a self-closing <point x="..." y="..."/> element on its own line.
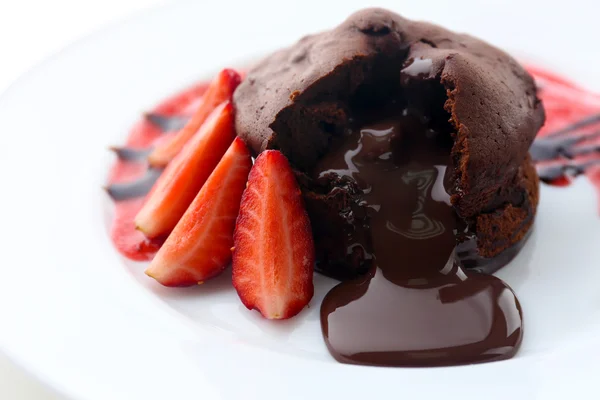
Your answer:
<point x="273" y="258"/>
<point x="220" y="90"/>
<point x="184" y="176"/>
<point x="199" y="247"/>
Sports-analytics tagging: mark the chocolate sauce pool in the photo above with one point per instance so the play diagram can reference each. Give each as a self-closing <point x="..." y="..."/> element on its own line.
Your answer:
<point x="417" y="306"/>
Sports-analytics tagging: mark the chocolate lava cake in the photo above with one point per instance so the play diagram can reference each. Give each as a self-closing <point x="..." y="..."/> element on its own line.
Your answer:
<point x="303" y="101"/>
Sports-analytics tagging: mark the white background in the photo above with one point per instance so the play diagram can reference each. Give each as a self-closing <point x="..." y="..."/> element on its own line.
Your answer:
<point x="31" y="30"/>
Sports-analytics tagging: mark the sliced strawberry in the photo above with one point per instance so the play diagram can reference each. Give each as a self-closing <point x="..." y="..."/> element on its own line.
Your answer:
<point x="274" y="253"/>
<point x="185" y="175"/>
<point x="220" y="90"/>
<point x="199" y="247"/>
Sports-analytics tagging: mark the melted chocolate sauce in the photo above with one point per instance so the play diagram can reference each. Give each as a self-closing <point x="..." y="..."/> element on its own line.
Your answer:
<point x="566" y="170"/>
<point x="137" y="188"/>
<point x="417" y="306"/>
<point x="550" y="148"/>
<point x="167" y="123"/>
<point x="567" y="152"/>
<point x="582" y="123"/>
<point x="470" y="259"/>
<point x="142" y="185"/>
<point x="131" y="154"/>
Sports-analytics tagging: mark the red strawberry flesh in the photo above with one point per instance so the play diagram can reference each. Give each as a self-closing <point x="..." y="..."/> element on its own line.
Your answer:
<point x="185" y="175"/>
<point x="220" y="90"/>
<point x="273" y="258"/>
<point x="199" y="247"/>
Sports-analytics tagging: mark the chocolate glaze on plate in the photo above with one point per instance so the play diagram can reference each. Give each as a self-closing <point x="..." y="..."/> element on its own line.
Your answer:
<point x="568" y="152"/>
<point x="137" y="188"/>
<point x="416" y="306"/>
<point x="167" y="123"/>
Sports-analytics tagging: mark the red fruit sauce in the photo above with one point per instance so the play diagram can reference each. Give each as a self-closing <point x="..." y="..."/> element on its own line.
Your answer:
<point x="130" y="242"/>
<point x="568" y="145"/>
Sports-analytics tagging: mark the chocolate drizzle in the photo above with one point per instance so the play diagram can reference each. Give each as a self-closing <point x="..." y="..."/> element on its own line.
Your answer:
<point x="567" y="152"/>
<point x="470" y="259"/>
<point x="131" y="154"/>
<point x="583" y="123"/>
<point x="137" y="188"/>
<point x="167" y="123"/>
<point x="416" y="306"/>
<point x="142" y="185"/>
<point x="560" y="171"/>
<point x="550" y="147"/>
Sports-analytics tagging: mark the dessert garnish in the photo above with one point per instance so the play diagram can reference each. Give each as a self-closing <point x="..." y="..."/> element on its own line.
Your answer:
<point x="168" y="123"/>
<point x="393" y="155"/>
<point x="569" y="143"/>
<point x="274" y="255"/>
<point x="186" y="174"/>
<point x="219" y="91"/>
<point x="199" y="247"/>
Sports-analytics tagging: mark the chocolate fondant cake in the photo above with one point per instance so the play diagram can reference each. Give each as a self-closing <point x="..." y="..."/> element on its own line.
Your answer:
<point x="306" y="99"/>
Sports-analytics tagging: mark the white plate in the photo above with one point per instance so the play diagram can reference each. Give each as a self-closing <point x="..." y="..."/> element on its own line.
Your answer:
<point x="78" y="318"/>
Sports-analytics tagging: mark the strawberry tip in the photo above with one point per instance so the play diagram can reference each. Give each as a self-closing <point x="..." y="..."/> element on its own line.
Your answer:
<point x="149" y="273"/>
